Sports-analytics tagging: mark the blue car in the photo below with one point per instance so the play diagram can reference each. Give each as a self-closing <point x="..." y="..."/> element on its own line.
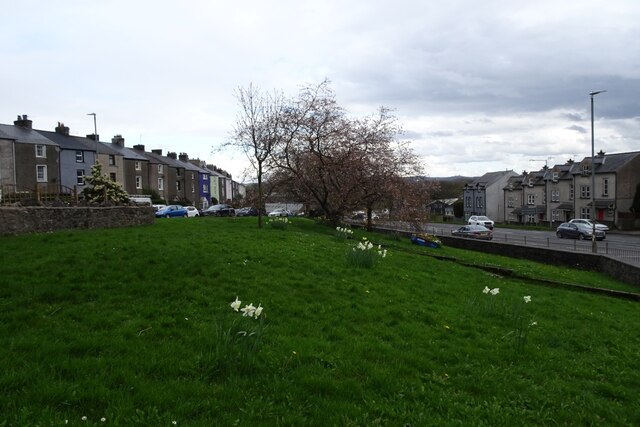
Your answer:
<point x="172" y="210"/>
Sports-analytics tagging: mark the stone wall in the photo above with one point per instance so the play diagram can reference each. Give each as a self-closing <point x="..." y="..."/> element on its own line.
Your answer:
<point x="585" y="261"/>
<point x="39" y="219"/>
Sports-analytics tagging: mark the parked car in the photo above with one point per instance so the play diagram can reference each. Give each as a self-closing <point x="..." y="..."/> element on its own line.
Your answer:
<point x="158" y="207"/>
<point x="481" y="220"/>
<point x="247" y="211"/>
<point x="171" y="211"/>
<point x="219" y="210"/>
<point x="192" y="211"/>
<point x="588" y="222"/>
<point x="473" y="231"/>
<point x="280" y="212"/>
<point x="578" y="230"/>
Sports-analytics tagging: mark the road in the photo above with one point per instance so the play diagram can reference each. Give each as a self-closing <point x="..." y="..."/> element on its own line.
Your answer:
<point x="625" y="247"/>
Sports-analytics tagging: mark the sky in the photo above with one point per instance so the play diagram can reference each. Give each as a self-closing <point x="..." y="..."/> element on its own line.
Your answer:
<point x="478" y="86"/>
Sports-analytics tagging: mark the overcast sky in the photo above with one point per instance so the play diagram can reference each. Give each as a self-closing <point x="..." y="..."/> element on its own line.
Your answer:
<point x="478" y="86"/>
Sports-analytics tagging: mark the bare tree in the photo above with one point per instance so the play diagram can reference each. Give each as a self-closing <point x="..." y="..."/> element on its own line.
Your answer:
<point x="256" y="132"/>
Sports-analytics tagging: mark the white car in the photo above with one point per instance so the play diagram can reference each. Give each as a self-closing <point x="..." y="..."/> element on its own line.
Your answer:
<point x="280" y="212"/>
<point x="192" y="211"/>
<point x="481" y="220"/>
<point x="588" y="222"/>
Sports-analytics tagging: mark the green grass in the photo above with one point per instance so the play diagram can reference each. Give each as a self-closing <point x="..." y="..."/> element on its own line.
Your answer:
<point x="134" y="325"/>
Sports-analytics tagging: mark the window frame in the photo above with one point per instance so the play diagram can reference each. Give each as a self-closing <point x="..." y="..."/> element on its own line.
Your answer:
<point x="43" y="169"/>
<point x="41" y="151"/>
<point x="80" y="177"/>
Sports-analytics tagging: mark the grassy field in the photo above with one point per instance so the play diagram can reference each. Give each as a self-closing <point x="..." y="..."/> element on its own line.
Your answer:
<point x="134" y="326"/>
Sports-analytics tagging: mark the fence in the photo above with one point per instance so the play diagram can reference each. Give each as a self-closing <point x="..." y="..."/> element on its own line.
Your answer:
<point x="42" y="193"/>
<point x="629" y="254"/>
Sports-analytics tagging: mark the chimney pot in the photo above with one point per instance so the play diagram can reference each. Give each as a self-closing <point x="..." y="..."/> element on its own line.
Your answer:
<point x="138" y="147"/>
<point x="157" y="151"/>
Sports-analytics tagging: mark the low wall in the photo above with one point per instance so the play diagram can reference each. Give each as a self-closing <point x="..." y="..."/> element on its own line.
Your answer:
<point x="39" y="219"/>
<point x="586" y="261"/>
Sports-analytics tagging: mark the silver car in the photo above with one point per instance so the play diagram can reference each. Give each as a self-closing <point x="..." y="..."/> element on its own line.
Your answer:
<point x="589" y="222"/>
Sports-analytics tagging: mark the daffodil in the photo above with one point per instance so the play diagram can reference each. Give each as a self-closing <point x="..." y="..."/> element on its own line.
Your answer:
<point x="486" y="290"/>
<point x="248" y="310"/>
<point x="527" y="299"/>
<point x="495" y="291"/>
<point x="236" y="304"/>
<point x="258" y="311"/>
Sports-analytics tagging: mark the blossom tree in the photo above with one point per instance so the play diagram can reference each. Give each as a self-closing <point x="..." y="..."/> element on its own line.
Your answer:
<point x="102" y="189"/>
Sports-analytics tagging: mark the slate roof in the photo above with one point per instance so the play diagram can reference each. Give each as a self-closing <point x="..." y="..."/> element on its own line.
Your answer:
<point x="128" y="153"/>
<point x="23" y="135"/>
<point x="67" y="142"/>
<point x="488" y="178"/>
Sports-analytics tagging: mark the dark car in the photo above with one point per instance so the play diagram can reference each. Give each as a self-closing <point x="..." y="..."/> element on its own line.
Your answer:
<point x="247" y="212"/>
<point x="573" y="230"/>
<point x="171" y="211"/>
<point x="473" y="232"/>
<point x="219" y="210"/>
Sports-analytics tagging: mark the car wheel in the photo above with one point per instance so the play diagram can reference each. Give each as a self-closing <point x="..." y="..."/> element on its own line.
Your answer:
<point x="559" y="234"/>
<point x="168" y="216"/>
<point x="581" y="236"/>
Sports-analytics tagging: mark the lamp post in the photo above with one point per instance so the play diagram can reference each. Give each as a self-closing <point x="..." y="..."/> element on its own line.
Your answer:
<point x="594" y="247"/>
<point x="95" y="131"/>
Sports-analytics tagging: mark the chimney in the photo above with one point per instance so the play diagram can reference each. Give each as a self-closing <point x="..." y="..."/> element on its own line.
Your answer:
<point x="174" y="156"/>
<point x="601" y="153"/>
<point x="23" y="122"/>
<point x="139" y="147"/>
<point x="118" y="140"/>
<point x="62" y="129"/>
<point x="157" y="151"/>
<point x="183" y="157"/>
<point x="93" y="137"/>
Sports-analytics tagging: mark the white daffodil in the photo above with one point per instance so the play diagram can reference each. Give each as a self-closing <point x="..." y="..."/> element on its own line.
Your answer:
<point x="533" y="324"/>
<point x="527" y="299"/>
<point x="258" y="311"/>
<point x="248" y="310"/>
<point x="495" y="291"/>
<point x="236" y="304"/>
<point x="486" y="290"/>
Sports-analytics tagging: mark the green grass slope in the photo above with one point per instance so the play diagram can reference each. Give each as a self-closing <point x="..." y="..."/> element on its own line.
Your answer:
<point x="134" y="327"/>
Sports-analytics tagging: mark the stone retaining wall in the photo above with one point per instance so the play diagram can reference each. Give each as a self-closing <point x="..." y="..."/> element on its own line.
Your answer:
<point x="39" y="219"/>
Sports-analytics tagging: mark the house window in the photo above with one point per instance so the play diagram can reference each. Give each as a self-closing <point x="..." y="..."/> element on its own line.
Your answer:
<point x="510" y="202"/>
<point x="555" y="195"/>
<point x="555" y="215"/>
<point x="41" y="173"/>
<point x="570" y="191"/>
<point x="531" y="218"/>
<point x="205" y="189"/>
<point x="178" y="172"/>
<point x="138" y="165"/>
<point x="478" y="201"/>
<point x="555" y="176"/>
<point x="468" y="201"/>
<point x="160" y="170"/>
<point x="193" y="187"/>
<point x="41" y="151"/>
<point x="605" y="186"/>
<point x="585" y="191"/>
<point x="112" y="160"/>
<point x="161" y="183"/>
<point x="112" y="176"/>
<point x="79" y="157"/>
<point x="192" y="176"/>
<point x="138" y="182"/>
<point x="80" y="177"/>
<point x="177" y="185"/>
<point x="531" y="199"/>
<point x="585" y="212"/>
<point x="586" y="169"/>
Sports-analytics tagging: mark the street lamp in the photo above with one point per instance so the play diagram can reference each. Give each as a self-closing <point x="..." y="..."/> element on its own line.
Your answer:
<point x="594" y="247"/>
<point x="95" y="131"/>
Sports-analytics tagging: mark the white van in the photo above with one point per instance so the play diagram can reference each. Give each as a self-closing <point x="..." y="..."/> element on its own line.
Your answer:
<point x="140" y="200"/>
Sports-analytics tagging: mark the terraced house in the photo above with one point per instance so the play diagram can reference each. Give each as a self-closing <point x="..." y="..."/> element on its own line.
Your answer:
<point x="56" y="162"/>
<point x="564" y="191"/>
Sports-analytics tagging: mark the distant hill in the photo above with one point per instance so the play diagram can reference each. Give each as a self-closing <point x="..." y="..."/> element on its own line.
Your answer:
<point x="450" y="186"/>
